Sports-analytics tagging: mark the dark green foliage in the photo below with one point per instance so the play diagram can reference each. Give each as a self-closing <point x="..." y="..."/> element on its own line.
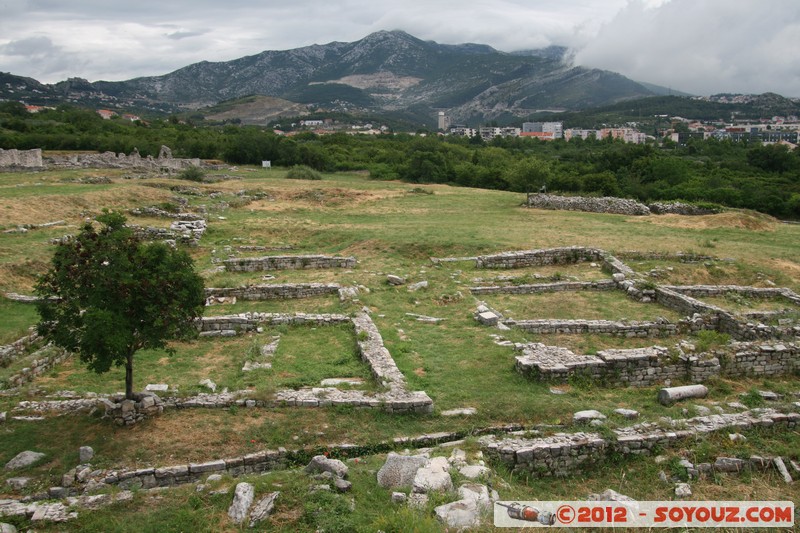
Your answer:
<point x="732" y="174"/>
<point x="302" y="172"/>
<point x="108" y="295"/>
<point x="192" y="174"/>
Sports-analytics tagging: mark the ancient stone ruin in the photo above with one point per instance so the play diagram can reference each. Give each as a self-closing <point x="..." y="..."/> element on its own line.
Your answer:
<point x="33" y="159"/>
<point x="610" y="204"/>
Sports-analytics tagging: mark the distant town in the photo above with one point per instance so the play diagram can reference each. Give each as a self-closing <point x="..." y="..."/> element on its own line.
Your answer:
<point x="777" y="129"/>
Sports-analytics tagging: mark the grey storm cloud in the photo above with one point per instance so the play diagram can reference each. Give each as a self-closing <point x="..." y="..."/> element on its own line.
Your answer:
<point x="30" y="46"/>
<point x="695" y="46"/>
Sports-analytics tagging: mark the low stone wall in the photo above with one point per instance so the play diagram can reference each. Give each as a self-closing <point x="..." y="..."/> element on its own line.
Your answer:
<point x="10" y="352"/>
<point x="397" y="399"/>
<point x="148" y="478"/>
<point x="215" y="325"/>
<point x="642" y="367"/>
<point x="679" y="208"/>
<point x="757" y="359"/>
<point x="564" y="454"/>
<point x="26" y="159"/>
<point x="606" y="204"/>
<point x="161" y="213"/>
<point x="274" y="291"/>
<point x="609" y="327"/>
<point x="554" y="256"/>
<point x="41" y="361"/>
<point x="187" y="232"/>
<point x="751" y="292"/>
<point x="287" y="262"/>
<point x="639" y="367"/>
<point x="547" y="256"/>
<point x="604" y="285"/>
<point x="683" y="304"/>
<point x="164" y="161"/>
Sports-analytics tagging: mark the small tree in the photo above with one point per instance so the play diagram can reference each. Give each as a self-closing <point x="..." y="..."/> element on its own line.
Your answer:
<point x="107" y="295"/>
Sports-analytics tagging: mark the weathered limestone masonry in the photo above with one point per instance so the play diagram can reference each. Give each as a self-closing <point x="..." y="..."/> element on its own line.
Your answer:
<point x="771" y="293"/>
<point x="564" y="454"/>
<point x="397" y="399"/>
<point x="161" y="213"/>
<point x="679" y="208"/>
<point x="676" y="297"/>
<point x="230" y="325"/>
<point x="602" y="285"/>
<point x="10" y="352"/>
<point x="759" y="359"/>
<point x="21" y="158"/>
<point x="165" y="161"/>
<point x="609" y="327"/>
<point x="606" y="204"/>
<point x="610" y="204"/>
<point x="554" y="256"/>
<point x="287" y="262"/>
<point x="274" y="291"/>
<point x="638" y="367"/>
<point x="641" y="367"/>
<point x="42" y="361"/>
<point x="184" y="231"/>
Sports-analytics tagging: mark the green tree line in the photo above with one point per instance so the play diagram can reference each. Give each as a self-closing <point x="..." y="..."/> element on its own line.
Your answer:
<point x="734" y="174"/>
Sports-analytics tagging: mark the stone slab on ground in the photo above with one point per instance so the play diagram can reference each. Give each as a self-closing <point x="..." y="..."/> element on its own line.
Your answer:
<point x="464" y="411"/>
<point x="263" y="508"/>
<point x="242" y="500"/>
<point x="629" y="414"/>
<point x="24" y="459"/>
<point x="399" y="470"/>
<point x="320" y="463"/>
<point x="582" y="417"/>
<point x="433" y="477"/>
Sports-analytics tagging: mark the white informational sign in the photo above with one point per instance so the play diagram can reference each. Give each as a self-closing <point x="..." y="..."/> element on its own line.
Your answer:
<point x="266" y="164"/>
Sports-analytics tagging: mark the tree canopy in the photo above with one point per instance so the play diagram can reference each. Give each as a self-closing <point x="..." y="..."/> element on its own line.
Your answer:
<point x="108" y="295"/>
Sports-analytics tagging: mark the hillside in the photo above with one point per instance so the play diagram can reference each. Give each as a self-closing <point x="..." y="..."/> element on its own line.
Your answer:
<point x="383" y="72"/>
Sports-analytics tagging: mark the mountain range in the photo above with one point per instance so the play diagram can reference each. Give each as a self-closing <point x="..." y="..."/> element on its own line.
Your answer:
<point x="387" y="72"/>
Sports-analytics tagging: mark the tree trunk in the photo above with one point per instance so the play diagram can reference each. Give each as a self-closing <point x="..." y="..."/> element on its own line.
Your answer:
<point x="129" y="377"/>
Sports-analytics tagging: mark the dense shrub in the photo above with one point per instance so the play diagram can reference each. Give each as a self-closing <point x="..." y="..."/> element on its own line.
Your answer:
<point x="303" y="172"/>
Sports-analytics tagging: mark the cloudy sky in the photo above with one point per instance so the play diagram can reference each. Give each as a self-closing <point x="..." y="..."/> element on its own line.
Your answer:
<point x="697" y="46"/>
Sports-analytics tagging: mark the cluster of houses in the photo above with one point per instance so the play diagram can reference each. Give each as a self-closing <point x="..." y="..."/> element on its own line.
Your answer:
<point x="548" y="131"/>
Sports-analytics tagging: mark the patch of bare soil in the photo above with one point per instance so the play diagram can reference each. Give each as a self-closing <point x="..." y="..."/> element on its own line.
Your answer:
<point x="730" y="219"/>
<point x="51" y="207"/>
<point x="790" y="268"/>
<point x="318" y="197"/>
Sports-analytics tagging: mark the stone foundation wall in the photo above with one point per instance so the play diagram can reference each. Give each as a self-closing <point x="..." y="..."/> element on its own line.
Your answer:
<point x="553" y="256"/>
<point x="683" y="304"/>
<point x="756" y="359"/>
<point x="287" y="262"/>
<point x="752" y="292"/>
<point x="164" y="161"/>
<point x="609" y="327"/>
<point x="21" y="158"/>
<point x="679" y="208"/>
<point x="274" y="291"/>
<point x="42" y="361"/>
<point x="604" y="285"/>
<point x="548" y="256"/>
<point x="214" y="325"/>
<point x="395" y="399"/>
<point x="10" y="352"/>
<point x="606" y="204"/>
<point x="642" y="367"/>
<point x="564" y="454"/>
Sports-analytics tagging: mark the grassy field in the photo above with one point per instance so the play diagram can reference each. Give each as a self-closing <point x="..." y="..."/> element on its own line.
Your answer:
<point x="391" y="228"/>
